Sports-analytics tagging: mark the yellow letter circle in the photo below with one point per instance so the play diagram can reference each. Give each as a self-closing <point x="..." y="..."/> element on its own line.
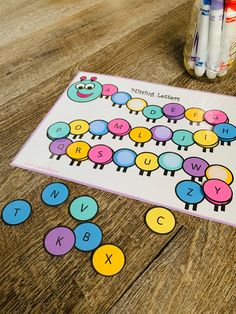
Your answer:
<point x="147" y="161"/>
<point x="108" y="260"/>
<point x="78" y="150"/>
<point x="140" y="135"/>
<point x="136" y="104"/>
<point x="219" y="172"/>
<point x="206" y="138"/>
<point x="79" y="127"/>
<point x="160" y="220"/>
<point x="195" y="114"/>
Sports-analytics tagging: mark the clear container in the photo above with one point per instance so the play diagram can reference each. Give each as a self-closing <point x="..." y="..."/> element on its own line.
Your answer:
<point x="210" y="49"/>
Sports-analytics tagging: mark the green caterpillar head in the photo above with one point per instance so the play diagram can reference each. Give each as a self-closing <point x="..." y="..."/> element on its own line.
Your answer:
<point x="85" y="90"/>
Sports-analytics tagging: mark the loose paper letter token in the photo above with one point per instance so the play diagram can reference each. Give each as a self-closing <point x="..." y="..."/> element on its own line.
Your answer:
<point x="16" y="212"/>
<point x="83" y="208"/>
<point x="88" y="236"/>
<point x="59" y="241"/>
<point x="160" y="220"/>
<point x="55" y="194"/>
<point x="108" y="260"/>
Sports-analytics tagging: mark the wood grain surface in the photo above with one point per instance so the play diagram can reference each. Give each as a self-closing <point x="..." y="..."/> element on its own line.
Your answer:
<point x="43" y="44"/>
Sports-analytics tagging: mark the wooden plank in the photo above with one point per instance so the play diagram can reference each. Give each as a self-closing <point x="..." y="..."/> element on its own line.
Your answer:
<point x="136" y="39"/>
<point x="194" y="274"/>
<point x="21" y="18"/>
<point x="40" y="55"/>
<point x="31" y="278"/>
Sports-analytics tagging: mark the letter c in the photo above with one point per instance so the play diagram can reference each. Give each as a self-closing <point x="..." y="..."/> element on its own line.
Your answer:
<point x="159" y="219"/>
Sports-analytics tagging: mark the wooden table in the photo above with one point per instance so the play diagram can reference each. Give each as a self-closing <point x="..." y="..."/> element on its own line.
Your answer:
<point x="43" y="44"/>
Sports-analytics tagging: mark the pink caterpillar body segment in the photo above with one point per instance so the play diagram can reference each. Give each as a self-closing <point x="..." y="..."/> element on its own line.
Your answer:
<point x="100" y="155"/>
<point x="108" y="90"/>
<point x="214" y="117"/>
<point x="218" y="192"/>
<point x="119" y="127"/>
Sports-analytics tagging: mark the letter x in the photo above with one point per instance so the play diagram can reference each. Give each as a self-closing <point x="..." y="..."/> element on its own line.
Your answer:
<point x="108" y="258"/>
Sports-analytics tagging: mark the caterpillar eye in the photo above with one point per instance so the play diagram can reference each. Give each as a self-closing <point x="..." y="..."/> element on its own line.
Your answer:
<point x="80" y="86"/>
<point x="89" y="86"/>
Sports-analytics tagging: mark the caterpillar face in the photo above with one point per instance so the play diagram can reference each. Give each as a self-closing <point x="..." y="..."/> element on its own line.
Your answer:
<point x="85" y="90"/>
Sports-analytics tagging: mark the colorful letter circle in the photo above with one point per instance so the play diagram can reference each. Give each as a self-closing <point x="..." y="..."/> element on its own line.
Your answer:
<point x="79" y="127"/>
<point x="153" y="112"/>
<point x="189" y="192"/>
<point x="58" y="130"/>
<point x="219" y="172"/>
<point x="120" y="98"/>
<point x="195" y="114"/>
<point x="59" y="241"/>
<point x="59" y="146"/>
<point x="124" y="157"/>
<point x="215" y="117"/>
<point x="55" y="194"/>
<point x="83" y="208"/>
<point x="88" y="236"/>
<point x="225" y="131"/>
<point x="101" y="154"/>
<point x="108" y="260"/>
<point x="217" y="191"/>
<point x="160" y="220"/>
<point x="16" y="212"/>
<point x="98" y="127"/>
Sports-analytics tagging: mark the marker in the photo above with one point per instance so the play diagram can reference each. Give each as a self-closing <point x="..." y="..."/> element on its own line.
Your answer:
<point x="216" y="17"/>
<point x="228" y="42"/>
<point x="192" y="59"/>
<point x="201" y="56"/>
